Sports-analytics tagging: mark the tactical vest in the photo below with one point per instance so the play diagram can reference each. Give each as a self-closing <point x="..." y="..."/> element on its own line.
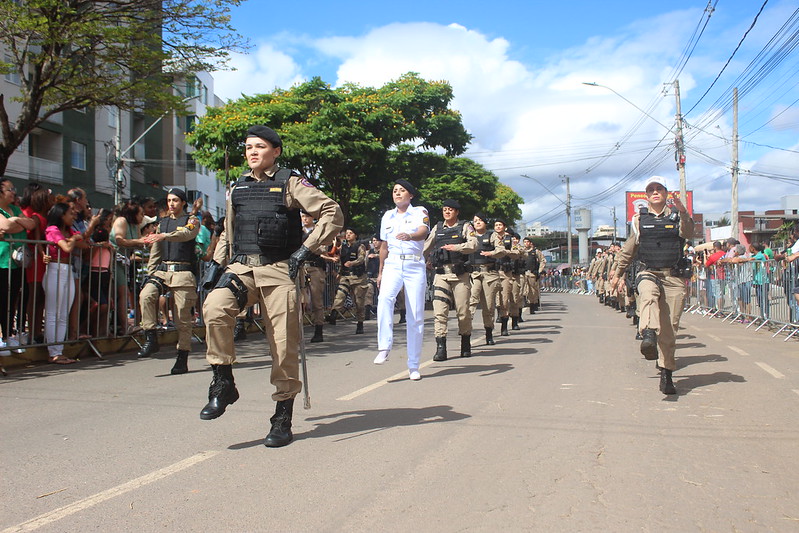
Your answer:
<point x="315" y="259"/>
<point x="485" y="245"/>
<point x="506" y="263"/>
<point x="531" y="262"/>
<point x="660" y="244"/>
<point x="448" y="235"/>
<point x="176" y="252"/>
<point x="350" y="253"/>
<point x="263" y="224"/>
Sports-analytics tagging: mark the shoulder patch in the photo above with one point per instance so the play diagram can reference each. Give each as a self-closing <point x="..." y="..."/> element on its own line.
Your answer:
<point x="305" y="182"/>
<point x="426" y="220"/>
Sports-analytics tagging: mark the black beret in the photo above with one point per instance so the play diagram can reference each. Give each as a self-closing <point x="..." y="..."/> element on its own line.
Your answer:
<point x="180" y="193"/>
<point x="503" y="222"/>
<point x="482" y="216"/>
<point x="408" y="187"/>
<point x="355" y="231"/>
<point x="265" y="133"/>
<point x="449" y="202"/>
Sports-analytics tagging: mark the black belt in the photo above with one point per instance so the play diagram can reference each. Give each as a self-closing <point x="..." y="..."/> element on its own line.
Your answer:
<point x="174" y="267"/>
<point x="262" y="259"/>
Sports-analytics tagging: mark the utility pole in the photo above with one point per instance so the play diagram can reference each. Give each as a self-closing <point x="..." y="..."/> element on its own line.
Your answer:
<point x="734" y="210"/>
<point x="568" y="221"/>
<point x="680" y="144"/>
<point x="613" y="212"/>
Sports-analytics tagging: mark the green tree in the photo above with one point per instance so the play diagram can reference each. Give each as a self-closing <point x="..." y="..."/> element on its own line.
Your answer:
<point x="346" y="139"/>
<point x="72" y="54"/>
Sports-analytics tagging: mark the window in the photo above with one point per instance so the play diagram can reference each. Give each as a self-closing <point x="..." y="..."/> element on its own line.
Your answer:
<point x="78" y="156"/>
<point x="113" y="116"/>
<point x="13" y="76"/>
<point x="191" y="120"/>
<point x="191" y="166"/>
<point x="191" y="86"/>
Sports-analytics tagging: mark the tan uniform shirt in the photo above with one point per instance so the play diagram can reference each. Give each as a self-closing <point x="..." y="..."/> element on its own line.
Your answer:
<point x="630" y="248"/>
<point x="468" y="247"/>
<point x="300" y="194"/>
<point x="181" y="234"/>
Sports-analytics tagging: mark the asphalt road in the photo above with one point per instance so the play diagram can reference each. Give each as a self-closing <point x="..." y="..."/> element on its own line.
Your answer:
<point x="559" y="427"/>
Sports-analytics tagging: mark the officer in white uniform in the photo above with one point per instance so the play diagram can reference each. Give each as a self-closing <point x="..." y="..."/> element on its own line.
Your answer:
<point x="403" y="231"/>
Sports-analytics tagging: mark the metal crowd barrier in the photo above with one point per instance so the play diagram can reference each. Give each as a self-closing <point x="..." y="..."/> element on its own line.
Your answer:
<point x="759" y="294"/>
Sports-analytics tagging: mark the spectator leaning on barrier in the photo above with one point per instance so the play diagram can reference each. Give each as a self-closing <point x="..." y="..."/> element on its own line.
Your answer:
<point x="715" y="277"/>
<point x="36" y="202"/>
<point x="740" y="278"/>
<point x="14" y="225"/>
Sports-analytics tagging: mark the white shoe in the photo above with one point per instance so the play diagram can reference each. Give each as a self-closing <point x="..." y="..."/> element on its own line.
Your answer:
<point x="4" y="353"/>
<point x="414" y="375"/>
<point x="382" y="357"/>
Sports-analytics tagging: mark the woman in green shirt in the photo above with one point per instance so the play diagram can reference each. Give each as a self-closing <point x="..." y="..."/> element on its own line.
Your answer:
<point x="13" y="225"/>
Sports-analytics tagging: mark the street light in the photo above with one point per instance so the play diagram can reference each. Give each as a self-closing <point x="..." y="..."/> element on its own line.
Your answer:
<point x="595" y="84"/>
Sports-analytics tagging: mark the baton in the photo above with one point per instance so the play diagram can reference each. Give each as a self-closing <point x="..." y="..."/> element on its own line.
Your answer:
<point x="306" y="401"/>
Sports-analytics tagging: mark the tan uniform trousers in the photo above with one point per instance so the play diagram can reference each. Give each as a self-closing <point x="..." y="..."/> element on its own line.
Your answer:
<point x="485" y="286"/>
<point x="505" y="297"/>
<point x="660" y="308"/>
<point x="316" y="286"/>
<point x="356" y="287"/>
<point x="516" y="308"/>
<point x="281" y="321"/>
<point x="184" y="290"/>
<point x="600" y="284"/>
<point x="533" y="289"/>
<point x="452" y="291"/>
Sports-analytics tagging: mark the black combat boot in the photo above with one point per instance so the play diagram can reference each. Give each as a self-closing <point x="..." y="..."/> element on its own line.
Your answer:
<point x="630" y="311"/>
<point x="181" y="363"/>
<point x="466" y="345"/>
<point x="503" y="331"/>
<point x="601" y="298"/>
<point x="441" y="349"/>
<point x="150" y="346"/>
<point x="368" y="313"/>
<point x="402" y="317"/>
<point x="666" y="384"/>
<point x="532" y="309"/>
<point x="221" y="393"/>
<point x="359" y="328"/>
<point x="514" y="320"/>
<point x="519" y="318"/>
<point x="537" y="306"/>
<point x="490" y="336"/>
<point x="240" y="330"/>
<point x="649" y="344"/>
<point x="280" y="434"/>
<point x="635" y="319"/>
<point x="317" y="334"/>
<point x="331" y="318"/>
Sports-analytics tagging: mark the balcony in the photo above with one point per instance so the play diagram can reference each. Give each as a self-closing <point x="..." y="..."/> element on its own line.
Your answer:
<point x="46" y="171"/>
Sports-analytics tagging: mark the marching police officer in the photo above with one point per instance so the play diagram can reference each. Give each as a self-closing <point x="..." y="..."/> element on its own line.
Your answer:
<point x="262" y="247"/>
<point x="171" y="267"/>
<point x="534" y="265"/>
<point x="450" y="243"/>
<point x="315" y="271"/>
<point x="658" y="236"/>
<point x="353" y="277"/>
<point x="485" y="277"/>
<point x="505" y="264"/>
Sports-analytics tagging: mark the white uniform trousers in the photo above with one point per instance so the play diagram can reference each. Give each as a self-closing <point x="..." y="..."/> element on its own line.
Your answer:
<point x="411" y="274"/>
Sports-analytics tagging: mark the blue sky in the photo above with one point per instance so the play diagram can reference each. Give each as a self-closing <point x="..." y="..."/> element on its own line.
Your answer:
<point x="517" y="70"/>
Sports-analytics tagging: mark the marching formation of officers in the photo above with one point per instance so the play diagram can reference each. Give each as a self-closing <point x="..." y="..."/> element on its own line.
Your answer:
<point x="277" y="233"/>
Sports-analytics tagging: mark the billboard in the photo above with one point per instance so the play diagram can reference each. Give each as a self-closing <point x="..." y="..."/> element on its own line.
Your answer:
<point x="637" y="199"/>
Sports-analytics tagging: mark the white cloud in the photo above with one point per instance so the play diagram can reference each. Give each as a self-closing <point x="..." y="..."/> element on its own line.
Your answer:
<point x="540" y="119"/>
<point x="260" y="72"/>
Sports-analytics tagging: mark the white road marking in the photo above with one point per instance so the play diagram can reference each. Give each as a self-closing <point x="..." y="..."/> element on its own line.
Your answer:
<point x="377" y="385"/>
<point x="776" y="373"/>
<point x="737" y="350"/>
<point x="796" y="391"/>
<point x="717" y="339"/>
<point x="80" y="505"/>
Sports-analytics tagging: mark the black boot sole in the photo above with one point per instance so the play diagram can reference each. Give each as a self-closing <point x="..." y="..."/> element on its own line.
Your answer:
<point x="221" y="411"/>
<point x="649" y="351"/>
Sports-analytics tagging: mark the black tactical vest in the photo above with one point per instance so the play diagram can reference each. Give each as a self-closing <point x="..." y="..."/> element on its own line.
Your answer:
<point x="448" y="235"/>
<point x="531" y="262"/>
<point x="315" y="259"/>
<point x="350" y="253"/>
<point x="485" y="245"/>
<point x="176" y="252"/>
<point x="506" y="263"/>
<point x="263" y="224"/>
<point x="660" y="244"/>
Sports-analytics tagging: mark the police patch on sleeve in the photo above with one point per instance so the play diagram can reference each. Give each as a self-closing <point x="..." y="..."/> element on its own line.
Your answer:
<point x="305" y="182"/>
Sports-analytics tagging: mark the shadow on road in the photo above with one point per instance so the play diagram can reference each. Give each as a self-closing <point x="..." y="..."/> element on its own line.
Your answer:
<point x="682" y="362"/>
<point x="688" y="383"/>
<point x="691" y="345"/>
<point x="350" y="424"/>
<point x="483" y="370"/>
